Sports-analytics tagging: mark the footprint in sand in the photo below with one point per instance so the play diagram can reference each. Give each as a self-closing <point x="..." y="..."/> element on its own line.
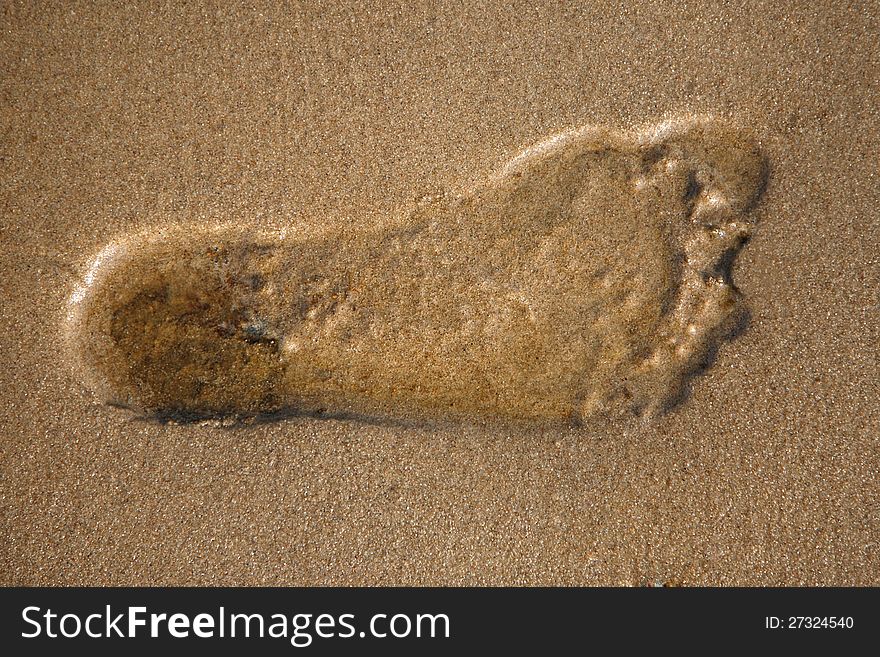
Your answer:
<point x="588" y="276"/>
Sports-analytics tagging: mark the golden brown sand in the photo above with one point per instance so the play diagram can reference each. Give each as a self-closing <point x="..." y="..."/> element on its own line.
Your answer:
<point x="330" y="133"/>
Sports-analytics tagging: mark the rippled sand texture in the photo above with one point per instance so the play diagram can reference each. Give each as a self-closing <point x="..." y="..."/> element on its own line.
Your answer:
<point x="589" y="275"/>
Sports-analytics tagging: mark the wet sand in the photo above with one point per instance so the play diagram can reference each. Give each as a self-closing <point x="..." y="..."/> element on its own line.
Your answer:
<point x="333" y="124"/>
<point x="588" y="276"/>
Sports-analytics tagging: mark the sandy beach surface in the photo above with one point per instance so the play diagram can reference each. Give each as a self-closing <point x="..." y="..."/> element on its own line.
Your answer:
<point x="336" y="119"/>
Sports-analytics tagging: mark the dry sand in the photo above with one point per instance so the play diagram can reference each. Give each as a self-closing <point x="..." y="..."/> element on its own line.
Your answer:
<point x="333" y="121"/>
